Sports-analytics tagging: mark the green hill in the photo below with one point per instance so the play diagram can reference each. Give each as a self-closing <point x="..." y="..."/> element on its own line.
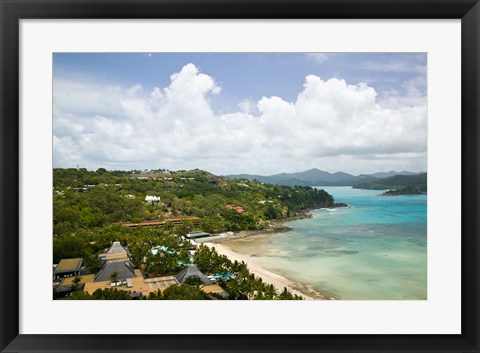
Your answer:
<point x="398" y="184"/>
<point x="317" y="177"/>
<point x="88" y="199"/>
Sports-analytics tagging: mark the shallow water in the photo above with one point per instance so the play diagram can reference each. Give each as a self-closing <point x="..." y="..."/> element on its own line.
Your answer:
<point x="375" y="249"/>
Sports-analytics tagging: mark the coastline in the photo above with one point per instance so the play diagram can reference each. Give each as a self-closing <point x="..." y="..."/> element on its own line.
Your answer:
<point x="355" y="276"/>
<point x="274" y="226"/>
<point x="278" y="281"/>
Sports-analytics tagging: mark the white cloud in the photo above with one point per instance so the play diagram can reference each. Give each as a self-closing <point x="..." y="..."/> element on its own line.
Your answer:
<point x="247" y="106"/>
<point x="331" y="125"/>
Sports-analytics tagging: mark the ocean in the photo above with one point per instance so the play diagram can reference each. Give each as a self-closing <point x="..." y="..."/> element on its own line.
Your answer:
<point x="375" y="249"/>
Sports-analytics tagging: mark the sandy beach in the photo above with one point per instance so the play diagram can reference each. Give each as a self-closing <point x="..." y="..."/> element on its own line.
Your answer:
<point x="279" y="282"/>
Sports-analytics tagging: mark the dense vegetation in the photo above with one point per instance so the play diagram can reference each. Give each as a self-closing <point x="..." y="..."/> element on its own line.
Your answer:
<point x="89" y="243"/>
<point x="88" y="206"/>
<point x="244" y="285"/>
<point x="406" y="190"/>
<point x="90" y="199"/>
<point x="101" y="294"/>
<point x="398" y="184"/>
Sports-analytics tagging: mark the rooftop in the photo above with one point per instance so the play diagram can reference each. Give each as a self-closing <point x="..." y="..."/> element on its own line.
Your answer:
<point x="197" y="234"/>
<point x="117" y="248"/>
<point x="69" y="265"/>
<point x="83" y="279"/>
<point x="134" y="285"/>
<point x="161" y="223"/>
<point x="64" y="288"/>
<point x="214" y="288"/>
<point x="115" y="256"/>
<point x="189" y="271"/>
<point x="123" y="268"/>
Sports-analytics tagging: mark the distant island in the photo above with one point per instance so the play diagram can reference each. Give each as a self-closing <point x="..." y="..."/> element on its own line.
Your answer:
<point x="398" y="185"/>
<point x="407" y="190"/>
<point x="317" y="177"/>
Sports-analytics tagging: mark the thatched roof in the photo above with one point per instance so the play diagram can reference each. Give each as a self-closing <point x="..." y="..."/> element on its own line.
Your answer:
<point x="189" y="271"/>
<point x="68" y="265"/>
<point x="117" y="248"/>
<point x="124" y="269"/>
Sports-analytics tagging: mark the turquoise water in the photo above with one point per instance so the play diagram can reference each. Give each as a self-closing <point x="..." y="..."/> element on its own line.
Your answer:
<point x="375" y="249"/>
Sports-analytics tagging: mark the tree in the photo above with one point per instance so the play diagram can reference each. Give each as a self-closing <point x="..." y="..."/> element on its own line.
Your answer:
<point x="110" y="294"/>
<point x="183" y="292"/>
<point x="271" y="212"/>
<point x="101" y="294"/>
<point x="157" y="295"/>
<point x="213" y="224"/>
<point x="193" y="281"/>
<point x="79" y="295"/>
<point x="68" y="246"/>
<point x="285" y="295"/>
<point x="114" y="276"/>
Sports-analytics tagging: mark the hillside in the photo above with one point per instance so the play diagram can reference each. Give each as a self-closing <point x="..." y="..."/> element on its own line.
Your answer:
<point x="312" y="177"/>
<point x="151" y="213"/>
<point x="398" y="184"/>
<point x="317" y="177"/>
<point x="89" y="199"/>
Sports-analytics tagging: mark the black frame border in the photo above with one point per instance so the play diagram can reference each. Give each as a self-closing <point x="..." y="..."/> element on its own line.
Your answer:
<point x="11" y="11"/>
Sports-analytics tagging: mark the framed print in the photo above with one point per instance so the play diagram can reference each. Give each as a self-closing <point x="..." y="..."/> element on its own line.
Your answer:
<point x="205" y="163"/>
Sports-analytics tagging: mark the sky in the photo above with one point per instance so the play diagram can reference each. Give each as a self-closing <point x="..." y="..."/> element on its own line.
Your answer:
<point x="231" y="113"/>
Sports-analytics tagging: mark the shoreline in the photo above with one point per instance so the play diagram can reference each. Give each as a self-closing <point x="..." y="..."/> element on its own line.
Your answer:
<point x="278" y="281"/>
<point x="274" y="226"/>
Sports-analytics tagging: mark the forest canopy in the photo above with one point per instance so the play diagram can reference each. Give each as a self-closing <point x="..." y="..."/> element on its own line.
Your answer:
<point x="85" y="199"/>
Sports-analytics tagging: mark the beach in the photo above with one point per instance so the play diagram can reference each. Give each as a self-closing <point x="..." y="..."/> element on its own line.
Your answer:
<point x="278" y="281"/>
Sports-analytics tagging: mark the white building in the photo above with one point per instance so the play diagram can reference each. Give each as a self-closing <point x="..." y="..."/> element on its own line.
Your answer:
<point x="149" y="198"/>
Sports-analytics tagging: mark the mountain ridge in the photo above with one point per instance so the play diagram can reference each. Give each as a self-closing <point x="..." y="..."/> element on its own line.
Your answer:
<point x="318" y="177"/>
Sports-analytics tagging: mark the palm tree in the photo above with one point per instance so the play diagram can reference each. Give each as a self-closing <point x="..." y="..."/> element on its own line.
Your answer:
<point x="114" y="276"/>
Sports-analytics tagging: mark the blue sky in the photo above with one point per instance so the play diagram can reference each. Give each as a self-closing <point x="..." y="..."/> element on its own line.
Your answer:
<point x="245" y="75"/>
<point x="94" y="89"/>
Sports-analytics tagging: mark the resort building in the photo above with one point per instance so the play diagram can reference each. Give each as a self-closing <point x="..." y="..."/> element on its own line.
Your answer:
<point x="149" y="198"/>
<point x="207" y="285"/>
<point x="67" y="268"/>
<point x="238" y="209"/>
<point x="116" y="252"/>
<point x="70" y="284"/>
<point x="192" y="271"/>
<point x="197" y="234"/>
<point x="117" y="271"/>
<point x="122" y="269"/>
<point x="137" y="286"/>
<point x="116" y="261"/>
<point x="173" y="220"/>
<point x="215" y="289"/>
